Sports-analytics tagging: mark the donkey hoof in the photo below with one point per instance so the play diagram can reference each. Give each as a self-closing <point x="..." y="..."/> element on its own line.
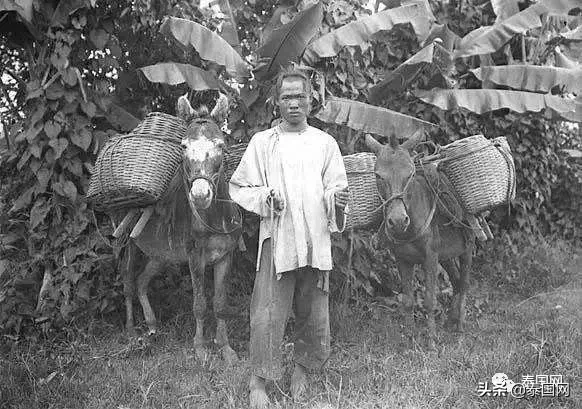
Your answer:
<point x="228" y="355"/>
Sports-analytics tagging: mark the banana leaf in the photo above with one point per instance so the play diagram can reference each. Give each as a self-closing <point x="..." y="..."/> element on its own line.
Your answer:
<point x="210" y="46"/>
<point x="22" y="7"/>
<point x="485" y="40"/>
<point x="358" y="32"/>
<point x="433" y="56"/>
<point x="573" y="35"/>
<point x="174" y="74"/>
<point x="563" y="61"/>
<point x="532" y="77"/>
<point x="288" y="42"/>
<point x="369" y="118"/>
<point x="486" y="100"/>
<point x="576" y="115"/>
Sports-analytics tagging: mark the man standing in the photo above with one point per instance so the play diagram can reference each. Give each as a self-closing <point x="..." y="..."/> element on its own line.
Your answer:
<point x="293" y="176"/>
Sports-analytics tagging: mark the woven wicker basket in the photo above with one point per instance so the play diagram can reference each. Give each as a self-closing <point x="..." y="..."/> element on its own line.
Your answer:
<point x="364" y="196"/>
<point x="232" y="158"/>
<point x="136" y="169"/>
<point x="365" y="201"/>
<point x="481" y="171"/>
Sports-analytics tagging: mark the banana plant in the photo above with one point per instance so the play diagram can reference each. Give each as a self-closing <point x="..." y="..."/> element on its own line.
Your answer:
<point x="294" y="42"/>
<point x="529" y="85"/>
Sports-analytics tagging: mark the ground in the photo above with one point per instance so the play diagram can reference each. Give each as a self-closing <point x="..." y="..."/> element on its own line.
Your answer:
<point x="375" y="362"/>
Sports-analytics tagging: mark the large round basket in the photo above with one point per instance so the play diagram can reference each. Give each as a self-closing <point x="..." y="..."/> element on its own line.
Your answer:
<point x="364" y="199"/>
<point x="136" y="169"/>
<point x="481" y="171"/>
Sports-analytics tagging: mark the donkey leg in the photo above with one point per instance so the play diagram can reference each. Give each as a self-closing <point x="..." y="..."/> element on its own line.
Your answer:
<point x="430" y="267"/>
<point x="450" y="267"/>
<point x="197" y="264"/>
<point x="221" y="270"/>
<point x="466" y="263"/>
<point x="128" y="274"/>
<point x="152" y="268"/>
<point x="407" y="276"/>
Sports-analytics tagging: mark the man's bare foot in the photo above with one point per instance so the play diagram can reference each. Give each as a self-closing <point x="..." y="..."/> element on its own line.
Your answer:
<point x="258" y="396"/>
<point x="298" y="382"/>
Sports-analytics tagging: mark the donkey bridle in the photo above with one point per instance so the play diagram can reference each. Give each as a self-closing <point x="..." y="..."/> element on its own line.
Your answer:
<point x="400" y="196"/>
<point x="213" y="181"/>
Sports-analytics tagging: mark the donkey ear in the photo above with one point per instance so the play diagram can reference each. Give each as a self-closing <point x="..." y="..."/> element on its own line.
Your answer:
<point x="220" y="110"/>
<point x="372" y="143"/>
<point x="413" y="140"/>
<point x="184" y="109"/>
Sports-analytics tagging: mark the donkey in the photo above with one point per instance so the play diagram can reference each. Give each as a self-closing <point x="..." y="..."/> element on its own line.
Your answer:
<point x="195" y="223"/>
<point x="420" y="232"/>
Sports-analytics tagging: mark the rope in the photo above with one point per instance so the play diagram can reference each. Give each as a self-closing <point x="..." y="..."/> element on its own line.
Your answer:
<point x="213" y="181"/>
<point x="272" y="271"/>
<point x="436" y="195"/>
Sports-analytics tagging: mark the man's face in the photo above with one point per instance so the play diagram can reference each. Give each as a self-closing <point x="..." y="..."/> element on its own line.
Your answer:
<point x="294" y="101"/>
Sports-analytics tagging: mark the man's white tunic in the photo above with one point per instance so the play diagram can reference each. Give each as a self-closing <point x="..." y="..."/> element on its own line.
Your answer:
<point x="307" y="169"/>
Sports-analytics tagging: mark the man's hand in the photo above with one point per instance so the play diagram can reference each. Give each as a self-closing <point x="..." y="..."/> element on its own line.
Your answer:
<point x="275" y="200"/>
<point x="341" y="198"/>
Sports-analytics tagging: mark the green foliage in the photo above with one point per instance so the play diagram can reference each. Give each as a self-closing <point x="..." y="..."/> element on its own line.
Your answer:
<point x="527" y="264"/>
<point x="53" y="240"/>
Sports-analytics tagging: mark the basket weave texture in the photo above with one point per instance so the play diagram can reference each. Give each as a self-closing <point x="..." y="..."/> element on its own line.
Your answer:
<point x="481" y="171"/>
<point x="365" y="200"/>
<point x="364" y="197"/>
<point x="136" y="169"/>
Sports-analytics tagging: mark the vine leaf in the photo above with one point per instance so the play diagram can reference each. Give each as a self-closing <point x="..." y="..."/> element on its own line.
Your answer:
<point x="52" y="129"/>
<point x="358" y="32"/>
<point x="369" y="118"/>
<point x="82" y="138"/>
<point x="486" y="100"/>
<point x="174" y="73"/>
<point x="99" y="37"/>
<point x="59" y="145"/>
<point x="288" y="42"/>
<point x="39" y="212"/>
<point x="23" y="200"/>
<point x="209" y="45"/>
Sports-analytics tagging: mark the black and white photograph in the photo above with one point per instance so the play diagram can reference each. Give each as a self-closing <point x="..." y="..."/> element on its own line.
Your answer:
<point x="292" y="204"/>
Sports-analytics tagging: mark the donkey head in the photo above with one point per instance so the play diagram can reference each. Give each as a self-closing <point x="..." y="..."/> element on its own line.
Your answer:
<point x="394" y="173"/>
<point x="204" y="145"/>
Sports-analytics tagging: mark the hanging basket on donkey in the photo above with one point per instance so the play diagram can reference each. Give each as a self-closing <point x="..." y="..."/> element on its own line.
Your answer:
<point x="364" y="201"/>
<point x="481" y="171"/>
<point x="135" y="170"/>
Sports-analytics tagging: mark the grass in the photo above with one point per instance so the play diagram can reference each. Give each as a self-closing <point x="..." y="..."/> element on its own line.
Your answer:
<point x="376" y="362"/>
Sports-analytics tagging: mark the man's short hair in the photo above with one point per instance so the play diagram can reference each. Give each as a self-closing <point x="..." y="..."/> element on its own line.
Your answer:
<point x="292" y="73"/>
